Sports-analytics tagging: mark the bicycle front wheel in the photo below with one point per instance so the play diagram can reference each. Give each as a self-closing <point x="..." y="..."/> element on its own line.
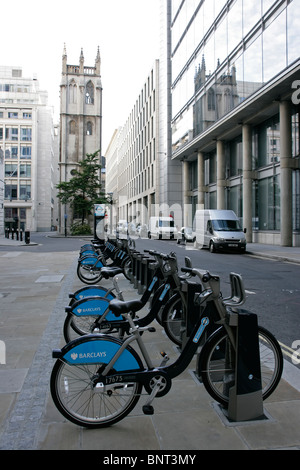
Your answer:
<point x="77" y="398"/>
<point x="217" y="365"/>
<point x="172" y="319"/>
<point x="88" y="274"/>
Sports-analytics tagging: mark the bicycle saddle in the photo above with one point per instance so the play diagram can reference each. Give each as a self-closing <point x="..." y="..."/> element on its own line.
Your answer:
<point x="112" y="271"/>
<point x="118" y="307"/>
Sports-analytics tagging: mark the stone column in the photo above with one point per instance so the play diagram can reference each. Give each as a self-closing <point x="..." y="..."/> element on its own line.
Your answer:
<point x="286" y="174"/>
<point x="220" y="175"/>
<point x="201" y="191"/>
<point x="185" y="172"/>
<point x="247" y="182"/>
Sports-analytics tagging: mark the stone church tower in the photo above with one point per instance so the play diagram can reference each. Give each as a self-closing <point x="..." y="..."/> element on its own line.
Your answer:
<point x="80" y="118"/>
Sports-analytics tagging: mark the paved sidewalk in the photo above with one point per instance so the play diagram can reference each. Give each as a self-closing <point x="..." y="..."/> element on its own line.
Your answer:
<point x="34" y="291"/>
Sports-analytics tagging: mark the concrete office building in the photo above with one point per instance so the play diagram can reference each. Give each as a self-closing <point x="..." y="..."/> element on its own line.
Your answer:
<point x="80" y="120"/>
<point x="149" y="182"/>
<point x="131" y="157"/>
<point x="28" y="146"/>
<point x="235" y="111"/>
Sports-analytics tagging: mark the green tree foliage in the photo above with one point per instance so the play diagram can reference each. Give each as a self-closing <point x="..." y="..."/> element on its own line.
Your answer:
<point x="84" y="188"/>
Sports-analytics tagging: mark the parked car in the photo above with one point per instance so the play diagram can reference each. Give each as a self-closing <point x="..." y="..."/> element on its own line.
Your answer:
<point x="186" y="234"/>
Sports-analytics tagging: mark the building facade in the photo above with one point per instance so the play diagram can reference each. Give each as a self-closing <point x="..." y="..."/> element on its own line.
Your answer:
<point x="28" y="145"/>
<point x="235" y="111"/>
<point x="132" y="157"/>
<point x="80" y="120"/>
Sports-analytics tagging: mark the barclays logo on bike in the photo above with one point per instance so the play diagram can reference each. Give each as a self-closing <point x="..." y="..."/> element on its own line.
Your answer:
<point x="87" y="356"/>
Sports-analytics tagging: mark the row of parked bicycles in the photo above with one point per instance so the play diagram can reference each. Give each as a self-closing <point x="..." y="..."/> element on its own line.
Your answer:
<point x="105" y="367"/>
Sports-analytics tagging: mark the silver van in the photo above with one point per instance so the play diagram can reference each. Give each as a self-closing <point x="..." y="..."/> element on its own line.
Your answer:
<point x="219" y="230"/>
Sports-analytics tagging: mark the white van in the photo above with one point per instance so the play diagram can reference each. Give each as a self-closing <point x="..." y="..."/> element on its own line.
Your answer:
<point x="219" y="230"/>
<point x="162" y="227"/>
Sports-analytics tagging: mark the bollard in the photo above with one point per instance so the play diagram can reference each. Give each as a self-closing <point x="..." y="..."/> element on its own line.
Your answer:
<point x="27" y="237"/>
<point x="245" y="397"/>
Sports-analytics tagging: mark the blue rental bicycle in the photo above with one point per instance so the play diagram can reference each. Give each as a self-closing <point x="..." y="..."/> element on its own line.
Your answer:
<point x="98" y="379"/>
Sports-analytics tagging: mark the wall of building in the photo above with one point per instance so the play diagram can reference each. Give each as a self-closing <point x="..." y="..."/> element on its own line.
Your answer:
<point x="235" y="116"/>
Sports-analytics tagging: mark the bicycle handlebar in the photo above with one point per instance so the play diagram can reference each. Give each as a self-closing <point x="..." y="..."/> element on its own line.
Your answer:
<point x="163" y="256"/>
<point x="205" y="276"/>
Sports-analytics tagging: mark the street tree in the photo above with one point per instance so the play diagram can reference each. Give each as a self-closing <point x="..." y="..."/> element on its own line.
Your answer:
<point x="84" y="188"/>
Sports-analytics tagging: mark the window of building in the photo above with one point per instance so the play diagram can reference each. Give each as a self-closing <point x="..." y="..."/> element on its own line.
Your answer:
<point x="25" y="170"/>
<point x="11" y="191"/>
<point x="26" y="134"/>
<point x="25" y="152"/>
<point x="11" y="133"/>
<point x="72" y="92"/>
<point x="268" y="206"/>
<point x="72" y="127"/>
<point x="89" y="128"/>
<point x="27" y="116"/>
<point x="25" y="190"/>
<point x="296" y="200"/>
<point x="12" y="115"/>
<point x="89" y="93"/>
<point x="11" y="152"/>
<point x="11" y="170"/>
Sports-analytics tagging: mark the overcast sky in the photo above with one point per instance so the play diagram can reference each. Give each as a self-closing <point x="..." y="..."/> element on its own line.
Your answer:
<point x="33" y="33"/>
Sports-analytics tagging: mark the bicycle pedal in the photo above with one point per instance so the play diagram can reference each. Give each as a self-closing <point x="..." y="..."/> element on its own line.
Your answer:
<point x="148" y="410"/>
<point x="165" y="358"/>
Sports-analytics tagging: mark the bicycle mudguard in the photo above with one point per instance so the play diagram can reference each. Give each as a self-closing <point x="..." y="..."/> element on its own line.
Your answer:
<point x="93" y="306"/>
<point x="95" y="349"/>
<point x="93" y="291"/>
<point x="91" y="261"/>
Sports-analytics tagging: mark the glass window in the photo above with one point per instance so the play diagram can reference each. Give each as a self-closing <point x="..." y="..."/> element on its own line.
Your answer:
<point x="235" y="201"/>
<point x="11" y="191"/>
<point x="26" y="134"/>
<point x="89" y="93"/>
<point x="269" y="203"/>
<point x="11" y="133"/>
<point x="89" y="128"/>
<point x="12" y="115"/>
<point x="296" y="200"/>
<point x="25" y="170"/>
<point x="251" y="14"/>
<point x="253" y="76"/>
<point x="1" y="133"/>
<point x="235" y="31"/>
<point x="25" y="152"/>
<point x="274" y="47"/>
<point x="295" y="134"/>
<point x="235" y="158"/>
<point x="293" y="15"/>
<point x="221" y="41"/>
<point x="25" y="190"/>
<point x="27" y="115"/>
<point x="11" y="170"/>
<point x="267" y="143"/>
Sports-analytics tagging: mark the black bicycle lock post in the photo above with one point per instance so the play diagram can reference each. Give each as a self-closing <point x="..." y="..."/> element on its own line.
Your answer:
<point x="245" y="397"/>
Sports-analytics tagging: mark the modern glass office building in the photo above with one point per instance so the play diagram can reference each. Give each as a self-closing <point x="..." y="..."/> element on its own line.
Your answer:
<point x="235" y="111"/>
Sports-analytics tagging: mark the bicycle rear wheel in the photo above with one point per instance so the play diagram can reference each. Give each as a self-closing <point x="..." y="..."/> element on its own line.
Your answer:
<point x="216" y="365"/>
